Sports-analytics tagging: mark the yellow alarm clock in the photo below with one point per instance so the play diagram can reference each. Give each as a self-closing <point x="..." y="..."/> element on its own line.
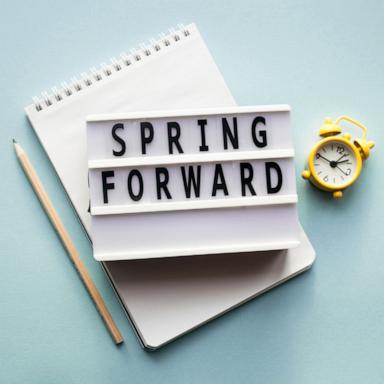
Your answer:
<point x="335" y="162"/>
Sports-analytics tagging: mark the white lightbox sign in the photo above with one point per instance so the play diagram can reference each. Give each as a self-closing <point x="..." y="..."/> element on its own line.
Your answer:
<point x="192" y="182"/>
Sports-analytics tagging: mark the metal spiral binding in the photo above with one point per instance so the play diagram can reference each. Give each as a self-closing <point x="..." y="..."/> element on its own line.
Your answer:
<point x="94" y="75"/>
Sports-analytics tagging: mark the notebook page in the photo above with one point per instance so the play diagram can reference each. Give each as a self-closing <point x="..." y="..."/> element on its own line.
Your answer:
<point x="182" y="75"/>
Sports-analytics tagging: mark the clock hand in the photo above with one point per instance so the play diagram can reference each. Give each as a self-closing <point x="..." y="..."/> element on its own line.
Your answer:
<point x="338" y="160"/>
<point x="341" y="170"/>
<point x="341" y="162"/>
<point x="320" y="155"/>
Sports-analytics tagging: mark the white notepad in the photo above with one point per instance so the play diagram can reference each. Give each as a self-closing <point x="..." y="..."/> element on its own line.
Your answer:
<point x="174" y="72"/>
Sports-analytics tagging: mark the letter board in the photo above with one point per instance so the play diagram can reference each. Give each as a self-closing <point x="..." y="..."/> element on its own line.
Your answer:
<point x="191" y="182"/>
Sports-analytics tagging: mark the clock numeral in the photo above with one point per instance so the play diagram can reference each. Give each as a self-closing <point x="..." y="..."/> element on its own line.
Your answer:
<point x="348" y="171"/>
<point x="325" y="178"/>
<point x="317" y="156"/>
<point x="340" y="149"/>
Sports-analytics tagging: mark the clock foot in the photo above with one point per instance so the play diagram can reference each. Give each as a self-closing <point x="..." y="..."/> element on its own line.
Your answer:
<point x="337" y="194"/>
<point x="306" y="174"/>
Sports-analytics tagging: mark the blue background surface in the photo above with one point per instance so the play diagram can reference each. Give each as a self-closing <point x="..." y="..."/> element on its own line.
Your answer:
<point x="323" y="58"/>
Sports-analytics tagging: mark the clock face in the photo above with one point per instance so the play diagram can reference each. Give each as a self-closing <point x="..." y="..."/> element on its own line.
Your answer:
<point x="335" y="163"/>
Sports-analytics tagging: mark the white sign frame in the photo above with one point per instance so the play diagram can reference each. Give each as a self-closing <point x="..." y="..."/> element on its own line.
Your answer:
<point x="124" y="230"/>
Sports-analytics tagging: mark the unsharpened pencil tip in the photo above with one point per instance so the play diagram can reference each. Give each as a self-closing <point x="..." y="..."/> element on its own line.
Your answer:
<point x="14" y="141"/>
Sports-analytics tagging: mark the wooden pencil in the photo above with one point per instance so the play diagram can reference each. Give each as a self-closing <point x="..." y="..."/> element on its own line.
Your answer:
<point x="67" y="242"/>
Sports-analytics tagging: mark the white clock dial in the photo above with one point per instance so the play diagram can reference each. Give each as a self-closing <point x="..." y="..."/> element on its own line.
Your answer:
<point x="335" y="163"/>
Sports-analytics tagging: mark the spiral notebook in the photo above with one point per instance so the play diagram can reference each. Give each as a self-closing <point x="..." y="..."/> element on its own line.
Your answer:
<point x="163" y="299"/>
